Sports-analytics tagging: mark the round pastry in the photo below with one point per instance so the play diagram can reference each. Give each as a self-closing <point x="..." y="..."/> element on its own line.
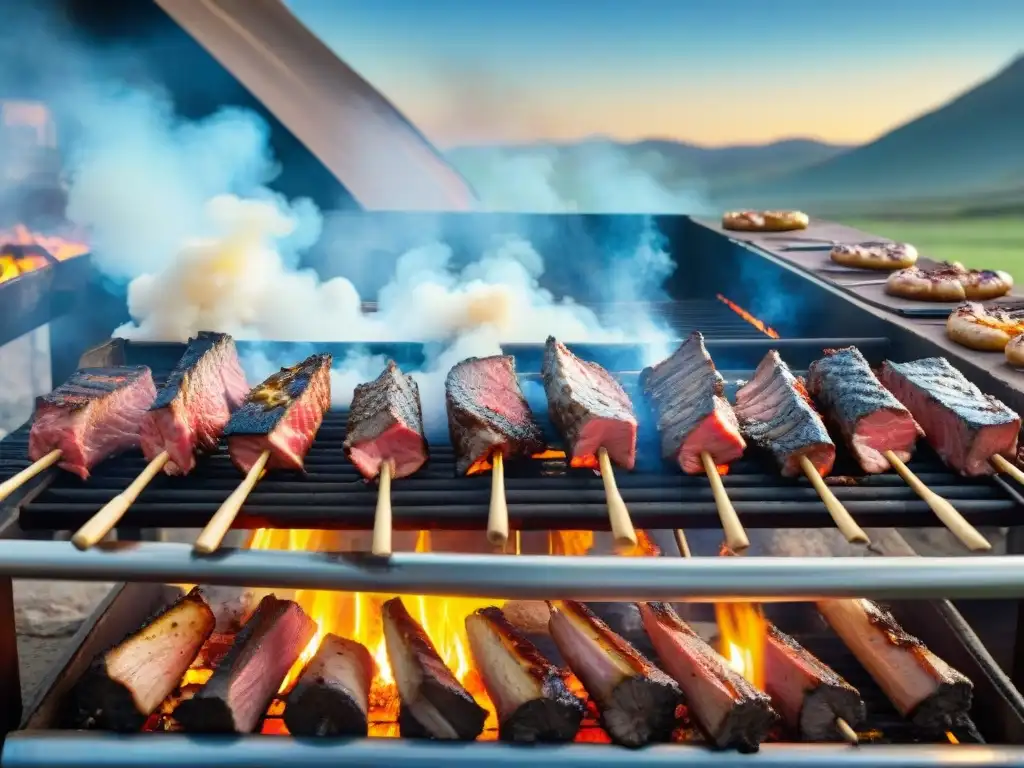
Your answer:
<point x="1015" y="351"/>
<point x="785" y="221"/>
<point x="925" y="285"/>
<point x="990" y="330"/>
<point x="874" y="255"/>
<point x="743" y="221"/>
<point x="985" y="284"/>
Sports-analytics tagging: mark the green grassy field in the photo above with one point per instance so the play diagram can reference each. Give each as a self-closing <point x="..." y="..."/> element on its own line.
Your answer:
<point x="993" y="242"/>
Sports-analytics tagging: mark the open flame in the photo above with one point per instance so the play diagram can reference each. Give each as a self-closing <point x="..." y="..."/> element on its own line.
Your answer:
<point x="484" y="465"/>
<point x="14" y="264"/>
<point x="743" y="631"/>
<point x="764" y="328"/>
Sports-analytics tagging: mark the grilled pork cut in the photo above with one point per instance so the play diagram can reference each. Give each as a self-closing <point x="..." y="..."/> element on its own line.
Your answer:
<point x="965" y="426"/>
<point x="385" y="423"/>
<point x="588" y="407"/>
<point x="693" y="414"/>
<point x="776" y="414"/>
<point x="919" y="684"/>
<point x="487" y="412"/>
<point x="282" y="415"/>
<point x="871" y="419"/>
<point x="332" y="695"/>
<point x="730" y="711"/>
<point x="194" y="405"/>
<point x="434" y="704"/>
<point x="93" y="415"/>
<point x="529" y="693"/>
<point x="636" y="700"/>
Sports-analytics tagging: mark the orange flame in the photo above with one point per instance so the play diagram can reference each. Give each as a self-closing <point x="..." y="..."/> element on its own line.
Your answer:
<point x="12" y="265"/>
<point x="743" y="631"/>
<point x="767" y="330"/>
<point x="952" y="739"/>
<point x="484" y="465"/>
<point x="645" y="547"/>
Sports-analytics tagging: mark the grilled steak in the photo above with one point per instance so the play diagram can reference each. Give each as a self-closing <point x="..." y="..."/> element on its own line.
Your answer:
<point x="332" y="695"/>
<point x="870" y="418"/>
<point x="194" y="405"/>
<point x="776" y="413"/>
<point x="91" y="416"/>
<point x="385" y="423"/>
<point x="588" y="407"/>
<point x="965" y="426"/>
<point x="807" y="694"/>
<point x="281" y="415"/>
<point x="434" y="705"/>
<point x="636" y="700"/>
<point x="919" y="684"/>
<point x="529" y="693"/>
<point x="487" y="412"/>
<point x="693" y="415"/>
<point x="728" y="709"/>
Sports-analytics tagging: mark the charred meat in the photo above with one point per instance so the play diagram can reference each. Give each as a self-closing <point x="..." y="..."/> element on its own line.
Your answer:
<point x="636" y="700"/>
<point x="776" y="413"/>
<point x="244" y="682"/>
<point x="965" y="426"/>
<point x="694" y="416"/>
<point x="385" y="424"/>
<point x="92" y="416"/>
<point x="332" y="696"/>
<point x="728" y="709"/>
<point x="194" y="405"/>
<point x="871" y="419"/>
<point x="529" y="693"/>
<point x="282" y="415"/>
<point x="434" y="705"/>
<point x="487" y="412"/>
<point x="126" y="683"/>
<point x="919" y="684"/>
<point x="588" y="407"/>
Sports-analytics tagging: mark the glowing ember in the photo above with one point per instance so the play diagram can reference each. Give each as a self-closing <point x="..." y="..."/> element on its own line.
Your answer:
<point x="952" y="739"/>
<point x="484" y="465"/>
<point x="13" y="265"/>
<point x="743" y="629"/>
<point x="767" y="330"/>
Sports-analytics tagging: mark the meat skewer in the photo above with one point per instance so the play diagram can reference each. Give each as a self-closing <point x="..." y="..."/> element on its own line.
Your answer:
<point x="530" y="695"/>
<point x="332" y="695"/>
<point x="384" y="438"/>
<point x="90" y="417"/>
<point x="697" y="424"/>
<point x="636" y="700"/>
<point x="274" y="429"/>
<point x="919" y="684"/>
<point x="592" y="412"/>
<point x="188" y="415"/>
<point x="880" y="431"/>
<point x="776" y="413"/>
<point x="490" y="420"/>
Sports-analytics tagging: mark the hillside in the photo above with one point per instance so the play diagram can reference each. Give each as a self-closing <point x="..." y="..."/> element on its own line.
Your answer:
<point x="971" y="147"/>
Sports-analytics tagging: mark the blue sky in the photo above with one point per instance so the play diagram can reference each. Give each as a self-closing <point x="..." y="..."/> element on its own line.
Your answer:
<point x="735" y="71"/>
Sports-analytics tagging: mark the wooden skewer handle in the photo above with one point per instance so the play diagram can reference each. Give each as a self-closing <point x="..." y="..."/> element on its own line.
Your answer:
<point x="382" y="524"/>
<point x="213" y="534"/>
<point x="618" y="514"/>
<point x="497" y="515"/>
<point x="100" y="524"/>
<point x="9" y="486"/>
<point x="735" y="536"/>
<point x="681" y="542"/>
<point x="943" y="510"/>
<point x="842" y="518"/>
<point x="846" y="731"/>
<point x="1001" y="463"/>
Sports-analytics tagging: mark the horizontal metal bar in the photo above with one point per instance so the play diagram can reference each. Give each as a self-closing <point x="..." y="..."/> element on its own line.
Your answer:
<point x="54" y="749"/>
<point x="620" y="579"/>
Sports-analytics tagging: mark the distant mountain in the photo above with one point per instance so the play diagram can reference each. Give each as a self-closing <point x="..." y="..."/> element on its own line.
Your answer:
<point x="969" y="149"/>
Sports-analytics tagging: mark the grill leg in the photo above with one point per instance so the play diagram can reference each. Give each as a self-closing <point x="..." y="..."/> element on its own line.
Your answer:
<point x="10" y="674"/>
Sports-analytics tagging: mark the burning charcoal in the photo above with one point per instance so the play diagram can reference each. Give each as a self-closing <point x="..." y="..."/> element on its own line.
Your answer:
<point x="775" y="412"/>
<point x="193" y="407"/>
<point x="919" y="684"/>
<point x="808" y="694"/>
<point x="588" y="407"/>
<point x="385" y="423"/>
<point x="730" y="711"/>
<point x="126" y="683"/>
<point x="434" y="705"/>
<point x="965" y="426"/>
<point x="693" y="415"/>
<point x="93" y="415"/>
<point x="529" y="692"/>
<point x="237" y="695"/>
<point x="282" y="416"/>
<point x="487" y="412"/>
<point x="332" y="696"/>
<point x="637" y="701"/>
